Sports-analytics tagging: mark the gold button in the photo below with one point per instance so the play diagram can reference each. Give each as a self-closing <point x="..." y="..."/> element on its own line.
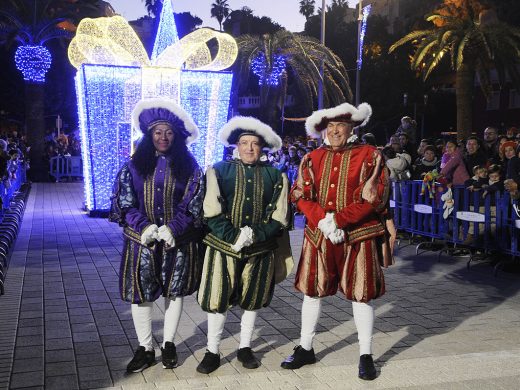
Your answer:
<point x="248" y="198"/>
<point x="269" y="204"/>
<point x="306" y="183"/>
<point x="333" y="185"/>
<point x="280" y="186"/>
<point x="335" y="168"/>
<point x="249" y="180"/>
<point x="247" y="216"/>
<point x="158" y="190"/>
<point x="330" y="203"/>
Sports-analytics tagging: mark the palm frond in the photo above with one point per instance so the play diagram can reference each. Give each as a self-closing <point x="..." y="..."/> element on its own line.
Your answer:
<point x="409" y="37"/>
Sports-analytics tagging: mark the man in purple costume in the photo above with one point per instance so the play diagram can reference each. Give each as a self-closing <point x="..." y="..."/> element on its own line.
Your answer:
<point x="157" y="199"/>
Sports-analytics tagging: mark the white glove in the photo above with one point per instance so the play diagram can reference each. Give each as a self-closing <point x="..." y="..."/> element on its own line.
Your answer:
<point x="337" y="237"/>
<point x="327" y="225"/>
<point x="149" y="235"/>
<point x="244" y="239"/>
<point x="165" y="234"/>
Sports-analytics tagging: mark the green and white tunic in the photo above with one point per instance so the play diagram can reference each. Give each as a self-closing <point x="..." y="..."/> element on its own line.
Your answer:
<point x="241" y="195"/>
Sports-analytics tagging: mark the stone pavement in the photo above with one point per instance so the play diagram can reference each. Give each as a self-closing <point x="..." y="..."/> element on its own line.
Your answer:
<point x="63" y="325"/>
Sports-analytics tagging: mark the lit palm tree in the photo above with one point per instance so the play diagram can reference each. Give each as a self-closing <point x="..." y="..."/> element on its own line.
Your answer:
<point x="307" y="8"/>
<point x="30" y="24"/>
<point x="269" y="55"/>
<point x="220" y="10"/>
<point x="476" y="42"/>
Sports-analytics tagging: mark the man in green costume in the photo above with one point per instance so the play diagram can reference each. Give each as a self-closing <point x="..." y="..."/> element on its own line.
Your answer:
<point x="246" y="210"/>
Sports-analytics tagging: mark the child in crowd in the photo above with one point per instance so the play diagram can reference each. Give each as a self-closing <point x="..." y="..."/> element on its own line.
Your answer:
<point x="398" y="163"/>
<point x="495" y="182"/>
<point x="479" y="179"/>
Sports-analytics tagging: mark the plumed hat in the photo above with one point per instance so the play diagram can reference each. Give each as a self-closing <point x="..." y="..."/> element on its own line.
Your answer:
<point x="246" y="125"/>
<point x="150" y="112"/>
<point x="345" y="112"/>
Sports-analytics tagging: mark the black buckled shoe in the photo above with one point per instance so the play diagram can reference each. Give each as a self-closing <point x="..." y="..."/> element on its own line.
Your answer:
<point x="142" y="359"/>
<point x="367" y="370"/>
<point x="169" y="355"/>
<point x="299" y="358"/>
<point x="210" y="363"/>
<point x="246" y="357"/>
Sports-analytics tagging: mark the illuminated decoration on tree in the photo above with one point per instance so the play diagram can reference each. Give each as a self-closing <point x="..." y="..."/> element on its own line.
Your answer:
<point x="261" y="69"/>
<point x="366" y="12"/>
<point x="33" y="62"/>
<point x="167" y="30"/>
<point x="114" y="73"/>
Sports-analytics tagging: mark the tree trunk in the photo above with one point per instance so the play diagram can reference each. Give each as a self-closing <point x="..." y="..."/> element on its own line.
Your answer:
<point x="269" y="113"/>
<point x="464" y="85"/>
<point x="35" y="129"/>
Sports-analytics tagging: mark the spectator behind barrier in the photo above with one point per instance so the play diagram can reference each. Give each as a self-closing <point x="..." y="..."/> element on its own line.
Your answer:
<point x="397" y="163"/>
<point x="426" y="164"/>
<point x="490" y="145"/>
<point x="474" y="156"/>
<point x="452" y="164"/>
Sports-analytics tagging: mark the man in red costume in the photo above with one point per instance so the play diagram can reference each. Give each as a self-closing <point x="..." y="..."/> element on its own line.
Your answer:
<point x="342" y="189"/>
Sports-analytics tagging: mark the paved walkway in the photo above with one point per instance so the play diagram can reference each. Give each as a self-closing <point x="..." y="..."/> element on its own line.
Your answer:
<point x="63" y="325"/>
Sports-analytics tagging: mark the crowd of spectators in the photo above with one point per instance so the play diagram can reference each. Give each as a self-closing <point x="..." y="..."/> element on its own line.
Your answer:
<point x="13" y="152"/>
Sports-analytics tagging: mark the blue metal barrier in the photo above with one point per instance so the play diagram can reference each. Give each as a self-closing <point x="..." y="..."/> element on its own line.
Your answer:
<point x="477" y="222"/>
<point x="66" y="166"/>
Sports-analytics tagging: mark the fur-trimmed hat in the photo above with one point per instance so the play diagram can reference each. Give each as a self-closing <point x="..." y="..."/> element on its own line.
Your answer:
<point x="150" y="112"/>
<point x="512" y="144"/>
<point x="345" y="112"/>
<point x="246" y="125"/>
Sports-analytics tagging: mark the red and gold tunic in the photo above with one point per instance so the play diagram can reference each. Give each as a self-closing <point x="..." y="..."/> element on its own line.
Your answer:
<point x="333" y="182"/>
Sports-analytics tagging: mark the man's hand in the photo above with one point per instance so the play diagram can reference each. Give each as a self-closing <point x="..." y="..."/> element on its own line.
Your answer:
<point x="149" y="234"/>
<point x="327" y="225"/>
<point x="510" y="185"/>
<point x="337" y="237"/>
<point x="245" y="239"/>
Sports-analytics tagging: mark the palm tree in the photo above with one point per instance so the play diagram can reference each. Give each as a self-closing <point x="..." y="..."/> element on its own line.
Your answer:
<point x="153" y="7"/>
<point x="220" y="10"/>
<point x="476" y="42"/>
<point x="307" y="8"/>
<point x="269" y="55"/>
<point x="30" y="24"/>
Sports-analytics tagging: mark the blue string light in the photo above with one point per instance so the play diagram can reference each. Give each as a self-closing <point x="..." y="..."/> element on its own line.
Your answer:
<point x="366" y="12"/>
<point x="266" y="75"/>
<point x="167" y="30"/>
<point x="106" y="97"/>
<point x="33" y="62"/>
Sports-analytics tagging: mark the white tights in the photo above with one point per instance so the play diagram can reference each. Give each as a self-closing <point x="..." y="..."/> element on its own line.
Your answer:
<point x="142" y="316"/>
<point x="216" y="322"/>
<point x="363" y="318"/>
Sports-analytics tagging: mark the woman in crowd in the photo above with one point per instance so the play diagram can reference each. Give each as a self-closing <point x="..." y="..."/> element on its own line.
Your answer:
<point x="452" y="164"/>
<point x="158" y="198"/>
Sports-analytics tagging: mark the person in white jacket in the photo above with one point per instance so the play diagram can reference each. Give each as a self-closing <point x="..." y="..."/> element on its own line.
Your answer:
<point x="399" y="164"/>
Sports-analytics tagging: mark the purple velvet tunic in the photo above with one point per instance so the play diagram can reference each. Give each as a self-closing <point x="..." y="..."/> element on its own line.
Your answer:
<point x="148" y="272"/>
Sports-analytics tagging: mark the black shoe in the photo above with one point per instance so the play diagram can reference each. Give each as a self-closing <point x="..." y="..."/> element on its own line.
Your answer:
<point x="367" y="370"/>
<point x="169" y="355"/>
<point x="210" y="363"/>
<point x="299" y="358"/>
<point x="246" y="357"/>
<point x="142" y="359"/>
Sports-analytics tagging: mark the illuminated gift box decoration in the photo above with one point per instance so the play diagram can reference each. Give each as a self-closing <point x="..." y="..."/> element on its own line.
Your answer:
<point x="114" y="73"/>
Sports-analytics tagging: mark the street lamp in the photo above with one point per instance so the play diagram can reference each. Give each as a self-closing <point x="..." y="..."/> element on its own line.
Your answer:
<point x="322" y="40"/>
<point x="363" y="13"/>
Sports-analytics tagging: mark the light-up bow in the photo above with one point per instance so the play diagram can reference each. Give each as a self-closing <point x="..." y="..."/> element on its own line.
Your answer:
<point x="112" y="41"/>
